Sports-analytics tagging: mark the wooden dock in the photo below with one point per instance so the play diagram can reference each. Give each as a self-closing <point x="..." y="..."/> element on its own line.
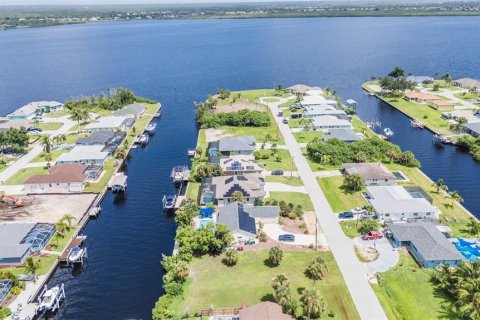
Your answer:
<point x="76" y="242"/>
<point x="178" y="201"/>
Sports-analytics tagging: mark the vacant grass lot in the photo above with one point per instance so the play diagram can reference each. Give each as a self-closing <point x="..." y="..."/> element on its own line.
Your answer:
<point x="293" y="181"/>
<point x="339" y="198"/>
<point x="249" y="282"/>
<point x="296" y="198"/>
<point x="467" y="95"/>
<point x="406" y="292"/>
<point x="286" y="163"/>
<point x="21" y="176"/>
<point x="50" y="126"/>
<point x="54" y="153"/>
<point x="193" y="191"/>
<point x="307" y="136"/>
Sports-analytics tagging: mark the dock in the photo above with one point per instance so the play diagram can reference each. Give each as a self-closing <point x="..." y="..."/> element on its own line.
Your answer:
<point x="76" y="242"/>
<point x="178" y="201"/>
<point x="180" y="175"/>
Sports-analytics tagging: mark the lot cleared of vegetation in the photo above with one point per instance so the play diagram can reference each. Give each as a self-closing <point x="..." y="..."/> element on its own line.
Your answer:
<point x="50" y="126"/>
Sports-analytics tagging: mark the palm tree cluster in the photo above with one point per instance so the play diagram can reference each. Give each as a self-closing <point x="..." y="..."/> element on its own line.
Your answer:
<point x="283" y="294"/>
<point x="80" y="114"/>
<point x="353" y="182"/>
<point x="64" y="225"/>
<point x="462" y="283"/>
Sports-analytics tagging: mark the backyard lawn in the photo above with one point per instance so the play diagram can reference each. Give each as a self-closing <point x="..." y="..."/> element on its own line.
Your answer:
<point x="249" y="282"/>
<point x="22" y="175"/>
<point x="307" y="136"/>
<point x="406" y="292"/>
<point x="340" y="199"/>
<point x="467" y="95"/>
<point x="296" y="198"/>
<point x="294" y="181"/>
<point x="45" y="263"/>
<point x="193" y="190"/>
<point x="50" y="126"/>
<point x="56" y="114"/>
<point x="285" y="163"/>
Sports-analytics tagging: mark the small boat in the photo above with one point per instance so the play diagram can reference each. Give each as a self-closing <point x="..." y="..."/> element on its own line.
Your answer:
<point x="143" y="140"/>
<point x="441" y="139"/>
<point x="49" y="299"/>
<point x="119" y="182"/>
<point x="75" y="254"/>
<point x="388" y="132"/>
<point x="168" y="202"/>
<point x="417" y="124"/>
<point x="151" y="128"/>
<point x="192" y="153"/>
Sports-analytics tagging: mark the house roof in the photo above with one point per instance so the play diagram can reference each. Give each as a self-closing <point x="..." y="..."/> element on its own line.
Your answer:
<point x="427" y="240"/>
<point x="474" y="126"/>
<point x="134" y="109"/>
<point x="17" y="124"/>
<point x="299" y="88"/>
<point x="238" y="163"/>
<point x="235" y="218"/>
<point x="369" y="170"/>
<point x="420" y="96"/>
<point x="323" y="109"/>
<point x="11" y="234"/>
<point x="330" y="121"/>
<point x="419" y="79"/>
<point x="264" y="311"/>
<point x="61" y="173"/>
<point x="240" y="143"/>
<point x="468" y="83"/>
<point x="342" y="134"/>
<point x="100" y="138"/>
<point x="107" y="123"/>
<point x="417" y="205"/>
<point x="30" y="108"/>
<point x="79" y="153"/>
<point x="250" y="184"/>
<point x="439" y="102"/>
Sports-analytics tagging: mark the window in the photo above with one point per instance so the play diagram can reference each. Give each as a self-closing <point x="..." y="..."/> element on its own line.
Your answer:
<point x="415" y="214"/>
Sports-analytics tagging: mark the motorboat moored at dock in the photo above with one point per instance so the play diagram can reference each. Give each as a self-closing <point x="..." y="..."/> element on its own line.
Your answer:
<point x="441" y="139"/>
<point x="169" y="202"/>
<point x="151" y="128"/>
<point x="180" y="175"/>
<point x="388" y="132"/>
<point x="118" y="183"/>
<point x="49" y="299"/>
<point x="143" y="139"/>
<point x="76" y="254"/>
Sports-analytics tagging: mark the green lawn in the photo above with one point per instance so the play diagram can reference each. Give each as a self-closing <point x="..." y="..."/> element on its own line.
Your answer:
<point x="286" y="105"/>
<point x="271" y="100"/>
<point x="297" y="198"/>
<point x="350" y="228"/>
<point x="193" y="191"/>
<point x="62" y="243"/>
<point x="294" y="181"/>
<point x="56" y="114"/>
<point x="45" y="263"/>
<point x="406" y="292"/>
<point x="443" y="85"/>
<point x="50" y="126"/>
<point x="338" y="197"/>
<point x="21" y="176"/>
<point x="286" y="162"/>
<point x="72" y="138"/>
<point x="54" y="153"/>
<point x="294" y="123"/>
<point x="467" y="95"/>
<point x="307" y="136"/>
<point x="78" y="127"/>
<point x="249" y="282"/>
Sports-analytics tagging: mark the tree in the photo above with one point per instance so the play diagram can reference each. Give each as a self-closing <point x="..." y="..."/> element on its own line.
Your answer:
<point x="57" y="237"/>
<point x="237" y="196"/>
<point x="68" y="218"/>
<point x="473" y="226"/>
<point x="436" y="87"/>
<point x="275" y="256"/>
<point x="121" y="153"/>
<point x="368" y="225"/>
<point x="231" y="257"/>
<point x="61" y="227"/>
<point x="48" y="157"/>
<point x="280" y="280"/>
<point x="180" y="271"/>
<point x="312" y="303"/>
<point x="440" y="185"/>
<point x="447" y="78"/>
<point x="283" y="296"/>
<point x="353" y="182"/>
<point x="31" y="267"/>
<point x="79" y="114"/>
<point x="46" y="143"/>
<point x="396" y="73"/>
<point x="455" y="196"/>
<point x="317" y="269"/>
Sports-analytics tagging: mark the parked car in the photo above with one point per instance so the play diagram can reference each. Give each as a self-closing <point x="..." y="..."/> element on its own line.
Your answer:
<point x="389" y="234"/>
<point x="34" y="129"/>
<point x="277" y="173"/>
<point x="286" y="237"/>
<point x="346" y="215"/>
<point x="280" y="114"/>
<point x="285" y="121"/>
<point x="373" y="235"/>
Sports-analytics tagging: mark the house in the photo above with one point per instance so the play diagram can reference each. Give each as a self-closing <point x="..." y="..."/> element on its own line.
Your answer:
<point x="299" y="89"/>
<point x="312" y="111"/>
<point x="264" y="311"/>
<point x="420" y="97"/>
<point x="372" y="173"/>
<point x="442" y="104"/>
<point x="84" y="154"/>
<point x="220" y="189"/>
<point x="61" y="178"/>
<point x="239" y="164"/>
<point x="6" y="124"/>
<point x="457" y="114"/>
<point x="312" y="100"/>
<point x="230" y="146"/>
<point x="19" y="239"/>
<point x="110" y="123"/>
<point x="346" y="135"/>
<point x="472" y="128"/>
<point x="242" y="219"/>
<point x="102" y="138"/>
<point x="467" y="83"/>
<point x="395" y="203"/>
<point x="419" y="80"/>
<point x="426" y="243"/>
<point x="330" y="122"/>
<point x="29" y="111"/>
<point x="133" y="110"/>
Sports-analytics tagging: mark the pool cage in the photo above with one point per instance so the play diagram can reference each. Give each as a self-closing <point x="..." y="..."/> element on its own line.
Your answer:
<point x="5" y="286"/>
<point x="39" y="236"/>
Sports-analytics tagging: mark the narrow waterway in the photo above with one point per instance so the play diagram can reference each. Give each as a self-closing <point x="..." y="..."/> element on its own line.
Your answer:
<point x="179" y="62"/>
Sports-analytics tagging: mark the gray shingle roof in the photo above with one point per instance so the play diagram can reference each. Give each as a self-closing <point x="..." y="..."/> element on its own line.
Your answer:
<point x="99" y="137"/>
<point x="11" y="234"/>
<point x="427" y="239"/>
<point x="241" y="143"/>
<point x="474" y="126"/>
<point x="342" y="134"/>
<point x="235" y="218"/>
<point x="134" y="109"/>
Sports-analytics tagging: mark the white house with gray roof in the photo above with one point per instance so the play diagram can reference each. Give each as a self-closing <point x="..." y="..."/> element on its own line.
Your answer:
<point x="93" y="154"/>
<point x="110" y="123"/>
<point x="313" y="111"/>
<point x="133" y="110"/>
<point x="346" y="135"/>
<point x="373" y="173"/>
<point x="229" y="146"/>
<point x="330" y="122"/>
<point x="427" y="244"/>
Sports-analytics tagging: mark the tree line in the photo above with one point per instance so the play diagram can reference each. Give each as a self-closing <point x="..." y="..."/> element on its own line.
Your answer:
<point x="14" y="140"/>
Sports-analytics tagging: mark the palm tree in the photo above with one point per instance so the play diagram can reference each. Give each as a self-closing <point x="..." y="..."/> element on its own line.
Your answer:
<point x="77" y="114"/>
<point x="468" y="300"/>
<point x="325" y="159"/>
<point x="280" y="280"/>
<point x="68" y="218"/>
<point x="46" y="143"/>
<point x="275" y="256"/>
<point x="237" y="196"/>
<point x="447" y="78"/>
<point x="31" y="267"/>
<point x="442" y="276"/>
<point x="180" y="270"/>
<point x="283" y="296"/>
<point x="440" y="185"/>
<point x="392" y="155"/>
<point x="48" y="157"/>
<point x="455" y="196"/>
<point x="61" y="227"/>
<point x="317" y="270"/>
<point x="473" y="226"/>
<point x="313" y="303"/>
<point x="231" y="257"/>
<point x="56" y="238"/>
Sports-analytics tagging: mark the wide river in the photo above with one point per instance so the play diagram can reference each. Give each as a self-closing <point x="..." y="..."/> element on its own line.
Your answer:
<point x="179" y="62"/>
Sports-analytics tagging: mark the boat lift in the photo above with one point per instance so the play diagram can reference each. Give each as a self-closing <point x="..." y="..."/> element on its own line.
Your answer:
<point x="56" y="303"/>
<point x="180" y="175"/>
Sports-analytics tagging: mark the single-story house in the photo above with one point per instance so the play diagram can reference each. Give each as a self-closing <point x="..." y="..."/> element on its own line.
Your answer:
<point x="442" y="104"/>
<point x="220" y="189"/>
<point x="30" y="110"/>
<point x="110" y="123"/>
<point x="299" y="89"/>
<point x="312" y="111"/>
<point x="102" y="138"/>
<point x="420" y="97"/>
<point x="239" y="164"/>
<point x="427" y="244"/>
<point x="230" y="146"/>
<point x="419" y="80"/>
<point x="6" y="124"/>
<point x="330" y="122"/>
<point x="84" y="154"/>
<point x="347" y="135"/>
<point x="19" y="239"/>
<point x="133" y="110"/>
<point x="457" y="114"/>
<point x="264" y="311"/>
<point x="467" y="83"/>
<point x="60" y="179"/>
<point x="472" y="128"/>
<point x="242" y="219"/>
<point x="312" y="100"/>
<point x="373" y="173"/>
<point x="395" y="203"/>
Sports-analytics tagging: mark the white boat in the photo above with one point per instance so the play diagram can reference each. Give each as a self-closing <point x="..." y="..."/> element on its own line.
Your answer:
<point x="49" y="299"/>
<point x="75" y="254"/>
<point x="388" y="132"/>
<point x="441" y="139"/>
<point x="417" y="124"/>
<point x="151" y="128"/>
<point x="143" y="139"/>
<point x="168" y="202"/>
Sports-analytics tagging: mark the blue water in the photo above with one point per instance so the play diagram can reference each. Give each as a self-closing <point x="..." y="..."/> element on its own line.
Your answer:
<point x="179" y="62"/>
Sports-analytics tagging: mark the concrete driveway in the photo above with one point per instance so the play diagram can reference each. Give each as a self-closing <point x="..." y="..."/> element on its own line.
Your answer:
<point x="274" y="230"/>
<point x="388" y="256"/>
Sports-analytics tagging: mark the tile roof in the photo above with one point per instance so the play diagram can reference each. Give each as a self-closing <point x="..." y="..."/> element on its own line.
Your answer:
<point x="61" y="173"/>
<point x="264" y="311"/>
<point x="369" y="170"/>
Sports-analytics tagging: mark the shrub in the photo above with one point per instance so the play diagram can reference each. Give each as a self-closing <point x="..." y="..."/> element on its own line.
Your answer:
<point x="173" y="288"/>
<point x="262" y="236"/>
<point x="292" y="215"/>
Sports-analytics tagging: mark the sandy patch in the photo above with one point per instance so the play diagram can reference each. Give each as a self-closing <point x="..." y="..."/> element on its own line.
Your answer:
<point x="294" y="226"/>
<point x="215" y="134"/>
<point x="238" y="106"/>
<point x="367" y="253"/>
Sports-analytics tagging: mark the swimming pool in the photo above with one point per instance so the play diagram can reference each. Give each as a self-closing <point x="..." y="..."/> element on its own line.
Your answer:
<point x="470" y="250"/>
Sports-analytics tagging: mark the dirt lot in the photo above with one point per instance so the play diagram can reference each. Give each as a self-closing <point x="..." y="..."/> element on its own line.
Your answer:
<point x="239" y="106"/>
<point x="215" y="134"/>
<point x="48" y="208"/>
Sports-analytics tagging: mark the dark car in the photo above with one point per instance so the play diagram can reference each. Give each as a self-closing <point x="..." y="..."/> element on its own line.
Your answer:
<point x="346" y="215"/>
<point x="277" y="173"/>
<point x="286" y="237"/>
<point x="285" y="121"/>
<point x="34" y="129"/>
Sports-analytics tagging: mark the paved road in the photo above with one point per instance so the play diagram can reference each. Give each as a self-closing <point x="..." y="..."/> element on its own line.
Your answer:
<point x="342" y="247"/>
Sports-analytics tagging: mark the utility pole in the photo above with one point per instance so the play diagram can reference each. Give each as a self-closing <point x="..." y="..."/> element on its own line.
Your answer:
<point x="316" y="233"/>
<point x="291" y="168"/>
